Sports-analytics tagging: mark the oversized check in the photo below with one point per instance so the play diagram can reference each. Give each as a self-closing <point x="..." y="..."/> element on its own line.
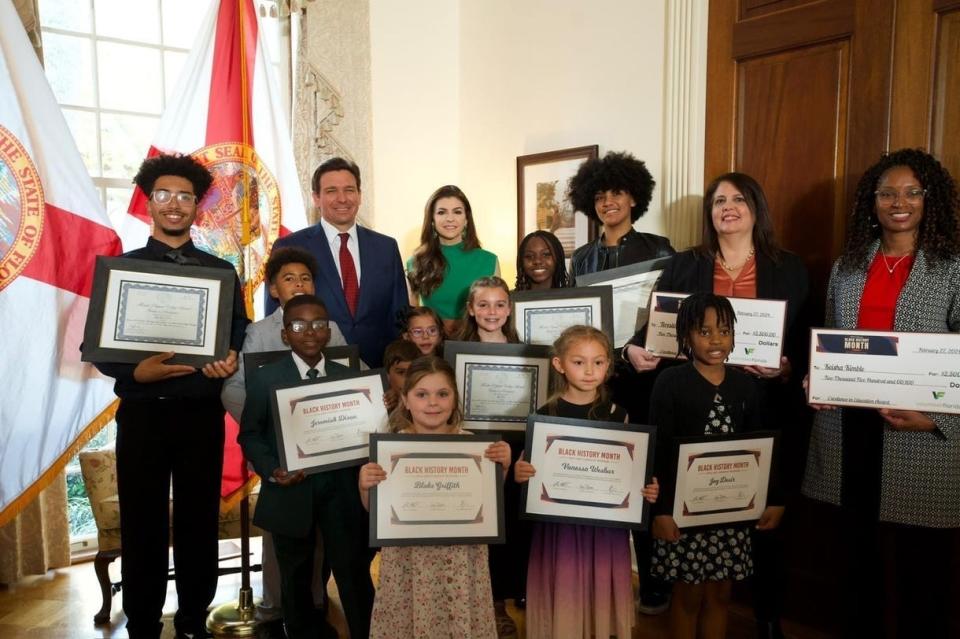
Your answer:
<point x="885" y="369"/>
<point x="758" y="334"/>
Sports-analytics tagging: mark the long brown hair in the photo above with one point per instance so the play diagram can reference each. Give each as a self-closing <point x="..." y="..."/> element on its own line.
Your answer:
<point x="763" y="240"/>
<point x="560" y="384"/>
<point x="400" y="418"/>
<point x="429" y="265"/>
<point x="469" y="331"/>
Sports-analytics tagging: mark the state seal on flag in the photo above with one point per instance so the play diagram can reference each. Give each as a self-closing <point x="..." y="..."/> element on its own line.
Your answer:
<point x="21" y="208"/>
<point x="240" y="180"/>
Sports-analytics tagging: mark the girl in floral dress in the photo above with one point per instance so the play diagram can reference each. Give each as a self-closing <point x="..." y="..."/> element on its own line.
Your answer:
<point x="702" y="397"/>
<point x="431" y="591"/>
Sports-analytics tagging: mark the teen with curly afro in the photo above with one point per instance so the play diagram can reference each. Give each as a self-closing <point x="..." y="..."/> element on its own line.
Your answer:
<point x="615" y="191"/>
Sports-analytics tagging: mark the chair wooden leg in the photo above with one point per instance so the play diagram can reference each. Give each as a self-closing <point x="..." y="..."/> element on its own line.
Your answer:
<point x="101" y="565"/>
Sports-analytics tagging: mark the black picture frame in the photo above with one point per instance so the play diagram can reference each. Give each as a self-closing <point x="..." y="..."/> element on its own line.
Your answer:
<point x="379" y="441"/>
<point x="106" y="303"/>
<point x="563" y="298"/>
<point x="587" y="425"/>
<point x="727" y="445"/>
<point x="457" y="353"/>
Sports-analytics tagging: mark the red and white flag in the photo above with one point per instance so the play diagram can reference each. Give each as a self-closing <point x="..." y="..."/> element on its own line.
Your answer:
<point x="226" y="111"/>
<point x="52" y="226"/>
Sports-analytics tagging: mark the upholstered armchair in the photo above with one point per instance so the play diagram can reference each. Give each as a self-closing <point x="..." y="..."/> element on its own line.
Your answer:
<point x="99" y="468"/>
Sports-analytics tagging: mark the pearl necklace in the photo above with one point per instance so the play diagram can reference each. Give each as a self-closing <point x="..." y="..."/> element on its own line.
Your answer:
<point x="724" y="264"/>
<point x="886" y="264"/>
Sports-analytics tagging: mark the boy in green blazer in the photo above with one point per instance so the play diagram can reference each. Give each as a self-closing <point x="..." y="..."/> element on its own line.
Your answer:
<point x="295" y="507"/>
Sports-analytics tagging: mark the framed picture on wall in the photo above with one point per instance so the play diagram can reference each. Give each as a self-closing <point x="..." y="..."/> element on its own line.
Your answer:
<point x="542" y="204"/>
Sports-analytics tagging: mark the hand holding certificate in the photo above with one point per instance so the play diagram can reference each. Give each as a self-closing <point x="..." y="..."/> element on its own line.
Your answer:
<point x="433" y="489"/>
<point x="722" y="480"/>
<point x="587" y="471"/>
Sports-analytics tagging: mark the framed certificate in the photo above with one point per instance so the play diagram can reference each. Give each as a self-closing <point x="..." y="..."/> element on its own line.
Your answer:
<point x="722" y="479"/>
<point x="588" y="472"/>
<point x="439" y="490"/>
<point x="632" y="285"/>
<point x="348" y="356"/>
<point x="499" y="384"/>
<point x="326" y="424"/>
<point x="540" y="316"/>
<point x="140" y="308"/>
<point x="885" y="369"/>
<point x="758" y="335"/>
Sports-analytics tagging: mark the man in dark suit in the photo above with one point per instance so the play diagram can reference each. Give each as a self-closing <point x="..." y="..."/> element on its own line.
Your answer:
<point x="295" y="507"/>
<point x="361" y="276"/>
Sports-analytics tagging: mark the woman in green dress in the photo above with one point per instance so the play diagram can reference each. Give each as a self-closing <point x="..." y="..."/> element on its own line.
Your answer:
<point x="449" y="257"/>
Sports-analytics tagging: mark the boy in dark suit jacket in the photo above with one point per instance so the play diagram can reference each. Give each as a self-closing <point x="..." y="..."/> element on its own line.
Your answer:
<point x="295" y="507"/>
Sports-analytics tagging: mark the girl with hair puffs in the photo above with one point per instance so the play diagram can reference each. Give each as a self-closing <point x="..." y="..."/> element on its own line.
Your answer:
<point x="449" y="257"/>
<point x="614" y="191"/>
<point x="429" y="591"/>
<point x="541" y="263"/>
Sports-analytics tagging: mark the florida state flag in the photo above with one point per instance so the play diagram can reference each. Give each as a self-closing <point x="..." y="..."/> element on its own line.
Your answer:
<point x="226" y="112"/>
<point x="52" y="226"/>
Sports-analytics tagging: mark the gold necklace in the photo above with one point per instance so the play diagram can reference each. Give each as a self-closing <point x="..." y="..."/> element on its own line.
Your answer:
<point x="886" y="264"/>
<point x="724" y="264"/>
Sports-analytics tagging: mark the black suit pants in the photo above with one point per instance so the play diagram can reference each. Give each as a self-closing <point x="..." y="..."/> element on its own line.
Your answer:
<point x="342" y="521"/>
<point x="159" y="441"/>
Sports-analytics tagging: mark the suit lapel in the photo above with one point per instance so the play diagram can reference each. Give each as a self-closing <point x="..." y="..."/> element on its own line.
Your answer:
<point x="368" y="267"/>
<point x="765" y="277"/>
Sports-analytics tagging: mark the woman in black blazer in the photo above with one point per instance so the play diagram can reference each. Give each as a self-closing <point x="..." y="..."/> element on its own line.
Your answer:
<point x="739" y="257"/>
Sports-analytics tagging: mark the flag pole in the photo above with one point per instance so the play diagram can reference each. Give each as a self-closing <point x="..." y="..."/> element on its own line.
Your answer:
<point x="239" y="618"/>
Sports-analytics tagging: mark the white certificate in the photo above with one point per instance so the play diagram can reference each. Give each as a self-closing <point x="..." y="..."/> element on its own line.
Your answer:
<point x="758" y="334"/>
<point x="632" y="286"/>
<point x="327" y="424"/>
<point x="542" y="324"/>
<point x="885" y="369"/>
<point x="499" y="384"/>
<point x="722" y="480"/>
<point x="142" y="307"/>
<point x="540" y="316"/>
<point x="587" y="471"/>
<point x="440" y="489"/>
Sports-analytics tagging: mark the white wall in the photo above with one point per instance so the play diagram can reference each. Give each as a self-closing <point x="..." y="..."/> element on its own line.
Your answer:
<point x="415" y="71"/>
<point x="460" y="89"/>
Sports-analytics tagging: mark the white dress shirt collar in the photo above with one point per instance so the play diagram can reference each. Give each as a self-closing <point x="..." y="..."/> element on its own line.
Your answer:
<point x="303" y="367"/>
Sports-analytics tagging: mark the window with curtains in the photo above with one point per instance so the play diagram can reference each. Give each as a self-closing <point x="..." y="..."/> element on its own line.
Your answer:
<point x="113" y="66"/>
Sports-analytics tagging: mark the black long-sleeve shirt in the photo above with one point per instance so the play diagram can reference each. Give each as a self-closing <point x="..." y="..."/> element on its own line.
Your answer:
<point x="196" y="385"/>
